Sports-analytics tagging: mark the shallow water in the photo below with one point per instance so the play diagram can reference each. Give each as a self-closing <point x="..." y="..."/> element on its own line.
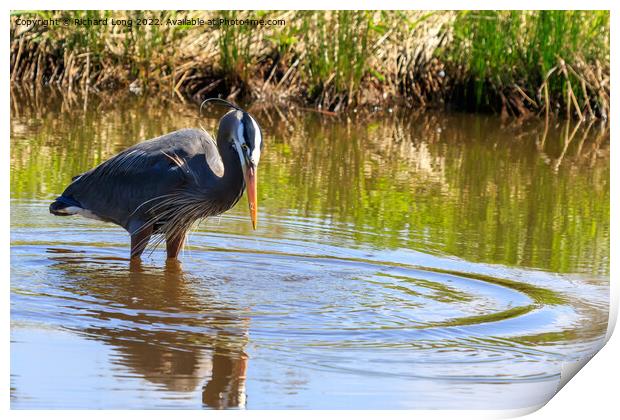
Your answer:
<point x="401" y="261"/>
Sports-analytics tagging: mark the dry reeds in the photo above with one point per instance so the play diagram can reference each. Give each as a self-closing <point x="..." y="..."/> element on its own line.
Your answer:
<point x="512" y="62"/>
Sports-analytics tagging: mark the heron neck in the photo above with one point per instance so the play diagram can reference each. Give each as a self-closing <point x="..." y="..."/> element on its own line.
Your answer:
<point x="231" y="184"/>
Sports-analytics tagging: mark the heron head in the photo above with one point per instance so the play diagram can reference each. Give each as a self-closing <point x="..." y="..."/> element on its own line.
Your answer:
<point x="244" y="135"/>
<point x="248" y="142"/>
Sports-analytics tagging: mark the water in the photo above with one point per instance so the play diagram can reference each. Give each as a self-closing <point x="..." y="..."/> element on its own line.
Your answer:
<point x="401" y="261"/>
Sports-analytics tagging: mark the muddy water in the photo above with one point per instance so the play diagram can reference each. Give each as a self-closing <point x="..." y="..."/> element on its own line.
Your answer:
<point x="401" y="261"/>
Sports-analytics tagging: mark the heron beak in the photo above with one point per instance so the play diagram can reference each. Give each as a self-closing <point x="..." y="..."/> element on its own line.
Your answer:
<point x="250" y="182"/>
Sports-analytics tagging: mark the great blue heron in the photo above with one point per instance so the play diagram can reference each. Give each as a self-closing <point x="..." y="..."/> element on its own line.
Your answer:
<point x="163" y="185"/>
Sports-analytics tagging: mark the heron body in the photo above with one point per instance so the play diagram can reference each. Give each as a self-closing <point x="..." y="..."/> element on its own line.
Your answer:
<point x="164" y="185"/>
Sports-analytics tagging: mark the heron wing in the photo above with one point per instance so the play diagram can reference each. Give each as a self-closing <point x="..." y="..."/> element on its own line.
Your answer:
<point x="119" y="188"/>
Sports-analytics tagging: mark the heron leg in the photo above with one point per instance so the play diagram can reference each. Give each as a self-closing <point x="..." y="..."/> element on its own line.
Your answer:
<point x="139" y="241"/>
<point x="174" y="245"/>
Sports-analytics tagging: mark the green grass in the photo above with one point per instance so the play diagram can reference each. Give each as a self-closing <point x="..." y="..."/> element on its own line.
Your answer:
<point x="501" y="48"/>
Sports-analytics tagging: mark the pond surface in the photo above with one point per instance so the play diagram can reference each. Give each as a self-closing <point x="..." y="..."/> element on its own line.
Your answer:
<point x="400" y="261"/>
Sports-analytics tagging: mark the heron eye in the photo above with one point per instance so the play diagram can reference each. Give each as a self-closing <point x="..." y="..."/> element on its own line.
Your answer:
<point x="244" y="146"/>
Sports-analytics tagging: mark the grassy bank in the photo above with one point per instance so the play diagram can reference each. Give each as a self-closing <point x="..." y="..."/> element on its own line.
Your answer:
<point x="514" y="63"/>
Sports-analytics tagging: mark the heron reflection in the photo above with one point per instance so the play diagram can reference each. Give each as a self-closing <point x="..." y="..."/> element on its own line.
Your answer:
<point x="160" y="328"/>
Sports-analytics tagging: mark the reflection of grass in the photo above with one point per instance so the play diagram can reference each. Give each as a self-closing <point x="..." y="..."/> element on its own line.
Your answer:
<point x="539" y="295"/>
<point x="509" y="61"/>
<point x="430" y="183"/>
<point x="438" y="291"/>
<point x="481" y="319"/>
<point x="443" y="293"/>
<point x="594" y="331"/>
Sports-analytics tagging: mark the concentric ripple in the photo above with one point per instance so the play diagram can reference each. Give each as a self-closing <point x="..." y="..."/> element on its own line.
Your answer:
<point x="296" y="314"/>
